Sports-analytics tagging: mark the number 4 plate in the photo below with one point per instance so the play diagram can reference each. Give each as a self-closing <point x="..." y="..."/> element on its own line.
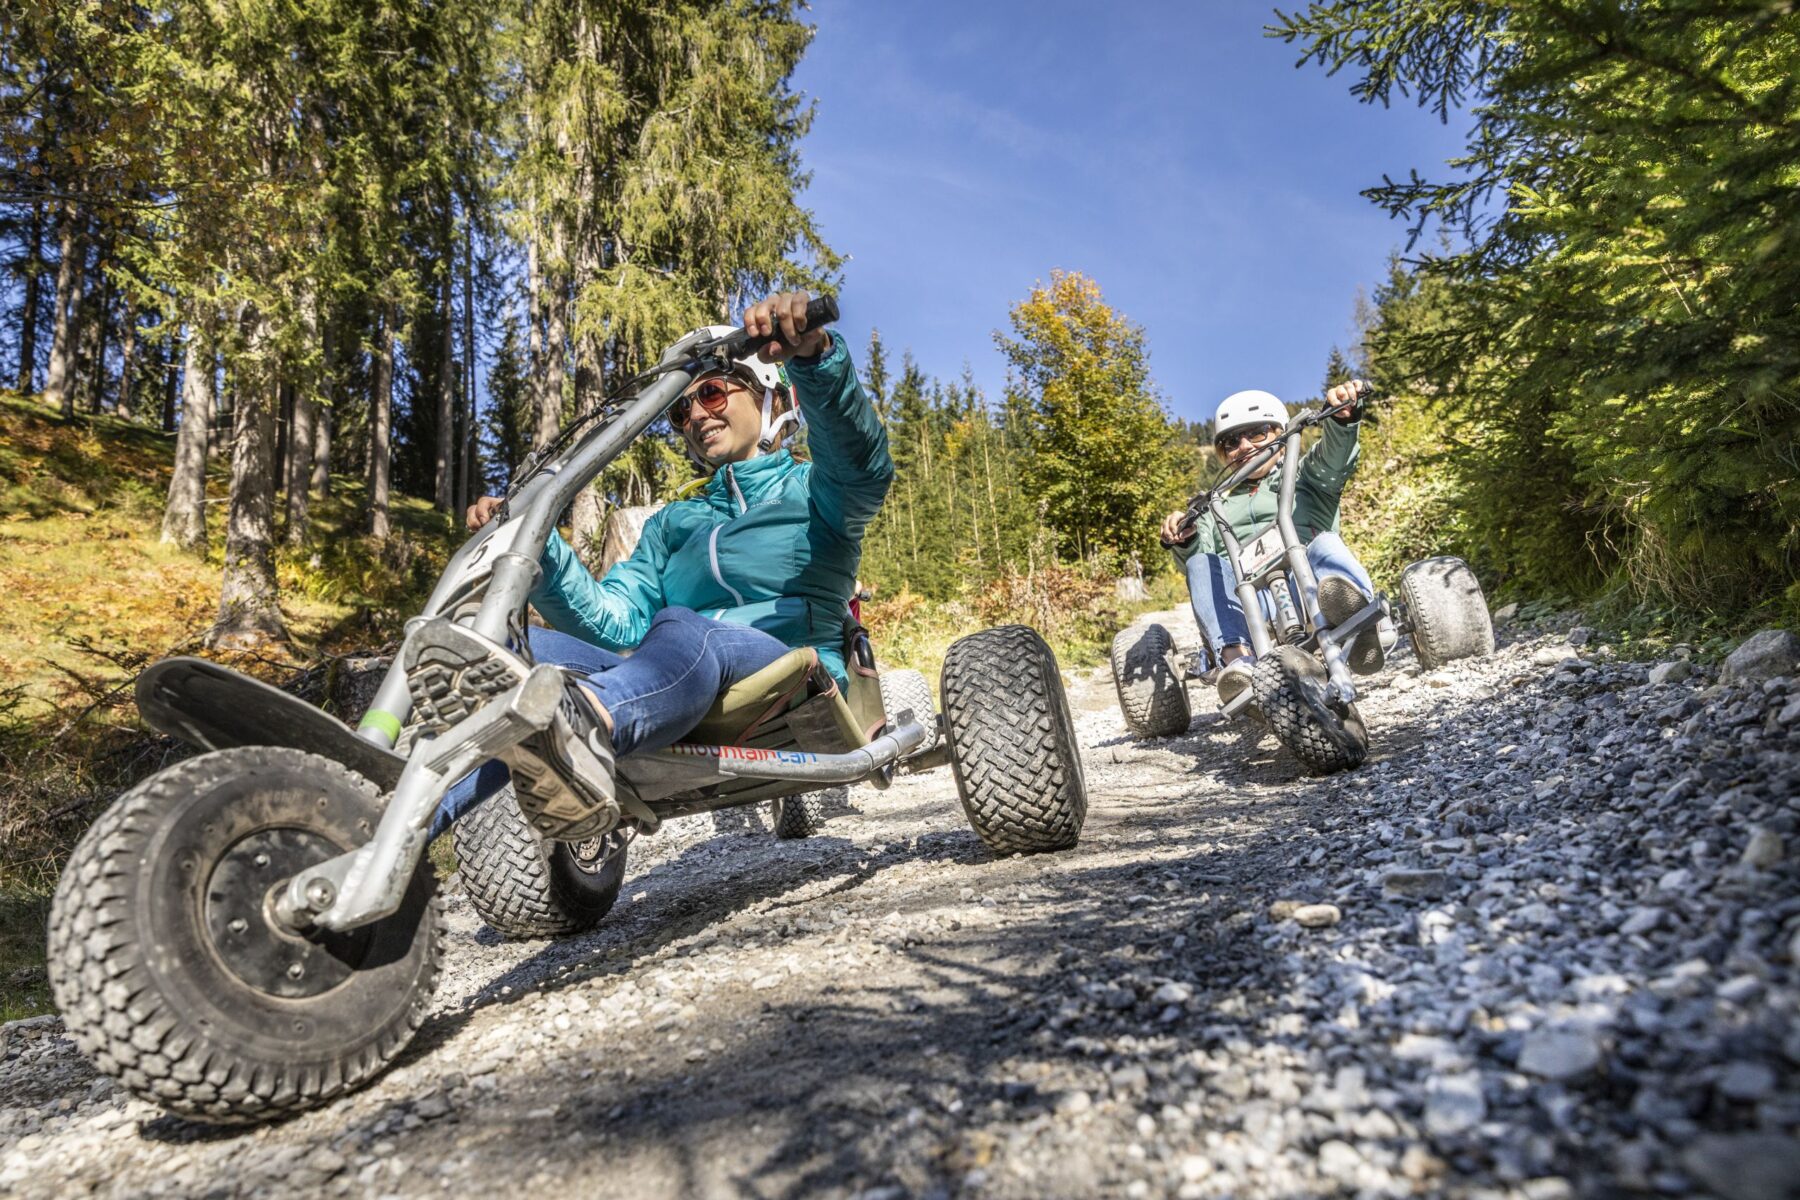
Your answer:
<point x="1262" y="552"/>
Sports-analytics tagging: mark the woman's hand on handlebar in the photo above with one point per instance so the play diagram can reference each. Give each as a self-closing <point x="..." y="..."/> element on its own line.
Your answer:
<point x="1176" y="528"/>
<point x="482" y="511"/>
<point x="785" y="314"/>
<point x="1344" y="401"/>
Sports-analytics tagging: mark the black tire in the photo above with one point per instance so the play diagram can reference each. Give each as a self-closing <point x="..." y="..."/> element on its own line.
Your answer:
<point x="1012" y="741"/>
<point x="1152" y="696"/>
<point x="798" y="816"/>
<point x="904" y="690"/>
<point x="526" y="887"/>
<point x="1290" y="690"/>
<point x="1448" y="613"/>
<point x="173" y="980"/>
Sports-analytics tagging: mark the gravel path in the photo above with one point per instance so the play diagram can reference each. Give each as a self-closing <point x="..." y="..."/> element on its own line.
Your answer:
<point x="1541" y="945"/>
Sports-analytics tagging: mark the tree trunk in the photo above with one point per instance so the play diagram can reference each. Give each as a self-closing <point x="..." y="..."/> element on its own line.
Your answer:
<point x="96" y="324"/>
<point x="381" y="406"/>
<point x="170" y="372"/>
<point x="34" y="266"/>
<point x="444" y="493"/>
<point x="471" y="471"/>
<point x="328" y="393"/>
<point x="127" y="360"/>
<point x="249" y="607"/>
<point x="71" y="278"/>
<point x="184" y="520"/>
<point x="284" y="420"/>
<point x="556" y="355"/>
<point x="300" y="464"/>
<point x="545" y="427"/>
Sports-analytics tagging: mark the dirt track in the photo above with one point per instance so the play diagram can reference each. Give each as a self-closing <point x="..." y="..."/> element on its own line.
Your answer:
<point x="885" y="1011"/>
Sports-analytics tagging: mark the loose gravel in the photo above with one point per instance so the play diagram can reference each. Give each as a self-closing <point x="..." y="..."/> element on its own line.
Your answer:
<point x="1541" y="944"/>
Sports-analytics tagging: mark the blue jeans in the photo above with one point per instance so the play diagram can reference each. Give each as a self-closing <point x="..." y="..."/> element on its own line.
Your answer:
<point x="1212" y="584"/>
<point x="654" y="696"/>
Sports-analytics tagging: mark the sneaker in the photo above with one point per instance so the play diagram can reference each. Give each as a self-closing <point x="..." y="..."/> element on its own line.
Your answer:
<point x="1339" y="600"/>
<point x="1234" y="677"/>
<point x="562" y="777"/>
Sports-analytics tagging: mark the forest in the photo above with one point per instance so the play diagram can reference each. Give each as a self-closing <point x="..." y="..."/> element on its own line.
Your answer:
<point x="387" y="249"/>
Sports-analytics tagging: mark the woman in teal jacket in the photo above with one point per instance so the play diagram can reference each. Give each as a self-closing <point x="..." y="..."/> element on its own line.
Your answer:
<point x="761" y="561"/>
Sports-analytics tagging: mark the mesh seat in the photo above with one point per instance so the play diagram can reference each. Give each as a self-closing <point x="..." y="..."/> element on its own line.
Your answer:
<point x="791" y="703"/>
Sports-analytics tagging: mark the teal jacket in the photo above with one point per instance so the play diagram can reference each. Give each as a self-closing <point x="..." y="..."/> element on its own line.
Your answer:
<point x="772" y="542"/>
<point x="1250" y="508"/>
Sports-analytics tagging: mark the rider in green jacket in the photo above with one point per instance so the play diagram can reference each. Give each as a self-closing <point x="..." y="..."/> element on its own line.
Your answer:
<point x="762" y="561"/>
<point x="1247" y="422"/>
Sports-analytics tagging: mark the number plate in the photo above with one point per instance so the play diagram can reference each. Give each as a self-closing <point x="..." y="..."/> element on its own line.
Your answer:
<point x="1263" y="551"/>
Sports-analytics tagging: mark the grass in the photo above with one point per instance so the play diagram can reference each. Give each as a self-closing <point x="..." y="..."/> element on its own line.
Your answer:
<point x="88" y="596"/>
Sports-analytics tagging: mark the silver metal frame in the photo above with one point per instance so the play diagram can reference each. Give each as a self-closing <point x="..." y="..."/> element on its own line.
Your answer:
<point x="1292" y="568"/>
<point x="486" y="585"/>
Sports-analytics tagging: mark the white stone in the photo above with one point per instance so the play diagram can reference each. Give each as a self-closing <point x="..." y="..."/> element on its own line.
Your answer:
<point x="1559" y="1054"/>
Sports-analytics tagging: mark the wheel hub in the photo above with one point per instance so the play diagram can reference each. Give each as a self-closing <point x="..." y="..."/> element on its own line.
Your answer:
<point x="248" y="939"/>
<point x="590" y="855"/>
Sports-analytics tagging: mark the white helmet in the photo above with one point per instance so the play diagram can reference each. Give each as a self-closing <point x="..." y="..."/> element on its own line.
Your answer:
<point x="774" y="383"/>
<point x="1241" y="410"/>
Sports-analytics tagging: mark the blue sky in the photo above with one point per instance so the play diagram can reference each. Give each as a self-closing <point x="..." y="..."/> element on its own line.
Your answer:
<point x="1168" y="150"/>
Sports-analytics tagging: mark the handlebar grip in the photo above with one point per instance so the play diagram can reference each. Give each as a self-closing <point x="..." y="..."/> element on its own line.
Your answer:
<point x="820" y="311"/>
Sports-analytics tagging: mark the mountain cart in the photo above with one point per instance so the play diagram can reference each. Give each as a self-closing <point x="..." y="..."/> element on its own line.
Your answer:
<point x="255" y="930"/>
<point x="1302" y="688"/>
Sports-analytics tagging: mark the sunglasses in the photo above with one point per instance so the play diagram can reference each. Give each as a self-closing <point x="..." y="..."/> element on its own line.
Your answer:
<point x="712" y="395"/>
<point x="1227" y="442"/>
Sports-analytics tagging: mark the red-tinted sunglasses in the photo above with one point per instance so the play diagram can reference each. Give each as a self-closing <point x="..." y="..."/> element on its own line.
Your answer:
<point x="712" y="395"/>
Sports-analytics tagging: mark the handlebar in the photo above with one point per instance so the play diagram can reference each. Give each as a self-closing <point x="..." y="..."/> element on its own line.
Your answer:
<point x="1300" y="424"/>
<point x="820" y="310"/>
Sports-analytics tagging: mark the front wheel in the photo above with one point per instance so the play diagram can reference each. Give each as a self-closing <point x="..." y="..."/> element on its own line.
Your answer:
<point x="526" y="887"/>
<point x="1449" y="615"/>
<point x="1152" y="696"/>
<point x="1290" y="690"/>
<point x="1012" y="741"/>
<point x="173" y="978"/>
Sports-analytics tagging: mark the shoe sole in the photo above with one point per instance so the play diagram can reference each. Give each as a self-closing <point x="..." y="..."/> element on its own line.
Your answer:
<point x="451" y="672"/>
<point x="1339" y="600"/>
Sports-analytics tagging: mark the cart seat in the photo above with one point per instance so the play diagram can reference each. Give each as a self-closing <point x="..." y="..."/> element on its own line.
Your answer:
<point x="793" y="702"/>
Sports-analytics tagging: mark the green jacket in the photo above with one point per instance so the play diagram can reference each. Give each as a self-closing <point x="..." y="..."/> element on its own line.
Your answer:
<point x="772" y="542"/>
<point x="1250" y="508"/>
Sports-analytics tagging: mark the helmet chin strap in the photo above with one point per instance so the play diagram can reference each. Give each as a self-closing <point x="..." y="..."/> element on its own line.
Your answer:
<point x="773" y="426"/>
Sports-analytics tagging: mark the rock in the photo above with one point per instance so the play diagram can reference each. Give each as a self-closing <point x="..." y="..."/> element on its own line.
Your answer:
<point x="1789" y="715"/>
<point x="1763" y="850"/>
<point x="1559" y="1054"/>
<point x="1415" y="885"/>
<point x="1339" y="1160"/>
<point x="1171" y="993"/>
<point x="1581" y="635"/>
<point x="1671" y="672"/>
<point x="1641" y="921"/>
<point x="1746" y="1081"/>
<point x="1454" y="1104"/>
<point x="1195" y="1167"/>
<point x="1745" y="1166"/>
<point x="1505" y="613"/>
<point x="1118" y="998"/>
<point x="1074" y="1102"/>
<point x="1763" y="655"/>
<point x="326" y="1161"/>
<point x="1318" y="916"/>
<point x="1547" y="656"/>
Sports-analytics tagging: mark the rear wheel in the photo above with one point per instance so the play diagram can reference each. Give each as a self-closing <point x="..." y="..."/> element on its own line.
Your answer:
<point x="1152" y="695"/>
<point x="175" y="980"/>
<point x="1012" y="741"/>
<point x="526" y="887"/>
<point x="799" y="816"/>
<point x="1448" y="613"/>
<point x="1290" y="690"/>
<point x="903" y="691"/>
